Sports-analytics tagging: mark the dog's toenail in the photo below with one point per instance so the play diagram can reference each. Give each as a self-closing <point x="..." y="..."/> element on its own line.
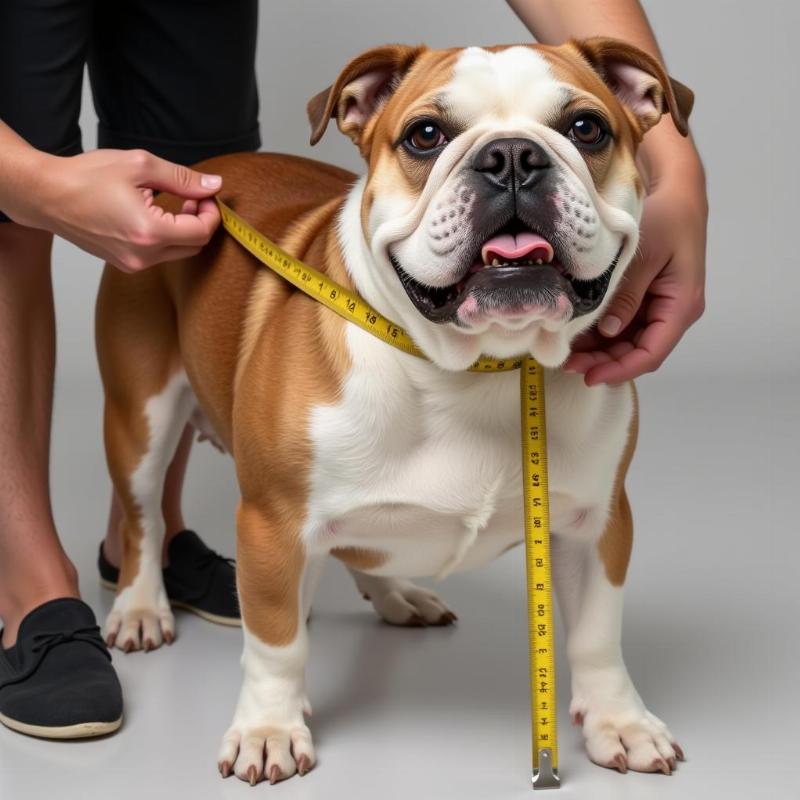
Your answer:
<point x="303" y="765"/>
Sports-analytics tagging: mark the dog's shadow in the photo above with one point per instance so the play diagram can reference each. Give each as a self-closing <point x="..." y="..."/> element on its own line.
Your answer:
<point x="362" y="668"/>
<point x="370" y="666"/>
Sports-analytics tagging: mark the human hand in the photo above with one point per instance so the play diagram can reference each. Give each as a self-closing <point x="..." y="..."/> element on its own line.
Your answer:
<point x="662" y="293"/>
<point x="102" y="201"/>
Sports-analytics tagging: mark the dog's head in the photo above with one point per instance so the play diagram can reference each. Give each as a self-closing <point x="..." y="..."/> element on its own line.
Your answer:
<point x="502" y="201"/>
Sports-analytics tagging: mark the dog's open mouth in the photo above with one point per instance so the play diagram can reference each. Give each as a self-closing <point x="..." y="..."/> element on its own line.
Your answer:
<point x="516" y="268"/>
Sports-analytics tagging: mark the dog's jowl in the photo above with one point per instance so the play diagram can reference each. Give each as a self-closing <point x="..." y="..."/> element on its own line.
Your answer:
<point x="498" y="213"/>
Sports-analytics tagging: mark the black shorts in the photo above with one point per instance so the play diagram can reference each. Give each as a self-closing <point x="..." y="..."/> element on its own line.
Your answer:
<point x="175" y="77"/>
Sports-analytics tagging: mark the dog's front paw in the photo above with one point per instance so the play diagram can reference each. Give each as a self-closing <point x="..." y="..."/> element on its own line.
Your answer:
<point x="401" y="602"/>
<point x="622" y="734"/>
<point x="140" y="621"/>
<point x="288" y="750"/>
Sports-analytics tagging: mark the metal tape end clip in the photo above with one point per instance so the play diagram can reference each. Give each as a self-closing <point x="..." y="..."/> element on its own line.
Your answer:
<point x="546" y="777"/>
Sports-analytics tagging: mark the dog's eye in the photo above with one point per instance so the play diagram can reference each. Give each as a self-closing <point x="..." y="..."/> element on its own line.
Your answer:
<point x="588" y="130"/>
<point x="425" y="136"/>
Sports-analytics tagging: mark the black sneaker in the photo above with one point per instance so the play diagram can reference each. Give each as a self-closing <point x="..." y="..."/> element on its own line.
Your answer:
<point x="197" y="579"/>
<point x="57" y="681"/>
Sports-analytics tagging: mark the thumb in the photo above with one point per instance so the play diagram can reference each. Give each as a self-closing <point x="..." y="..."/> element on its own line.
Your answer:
<point x="626" y="300"/>
<point x="177" y="179"/>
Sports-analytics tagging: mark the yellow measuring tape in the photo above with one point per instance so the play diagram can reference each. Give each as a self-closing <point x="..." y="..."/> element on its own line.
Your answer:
<point x="534" y="470"/>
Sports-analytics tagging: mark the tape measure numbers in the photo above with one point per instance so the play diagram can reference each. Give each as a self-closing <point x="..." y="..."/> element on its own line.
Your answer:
<point x="540" y="589"/>
<point x="534" y="470"/>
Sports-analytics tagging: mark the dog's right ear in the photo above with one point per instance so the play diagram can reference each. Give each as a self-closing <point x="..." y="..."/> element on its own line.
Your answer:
<point x="360" y="91"/>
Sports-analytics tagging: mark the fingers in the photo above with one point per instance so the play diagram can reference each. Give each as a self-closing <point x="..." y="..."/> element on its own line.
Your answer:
<point x="160" y="236"/>
<point x="186" y="229"/>
<point x="625" y="361"/>
<point x="583" y="362"/>
<point x="138" y="260"/>
<point x="156" y="173"/>
<point x="586" y="344"/>
<point x="627" y="298"/>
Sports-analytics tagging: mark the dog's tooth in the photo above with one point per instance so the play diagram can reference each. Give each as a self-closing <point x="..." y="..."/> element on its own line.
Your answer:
<point x="539" y="261"/>
<point x="495" y="262"/>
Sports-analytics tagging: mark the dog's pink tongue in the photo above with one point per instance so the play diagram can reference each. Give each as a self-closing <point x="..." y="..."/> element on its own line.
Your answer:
<point x="511" y="247"/>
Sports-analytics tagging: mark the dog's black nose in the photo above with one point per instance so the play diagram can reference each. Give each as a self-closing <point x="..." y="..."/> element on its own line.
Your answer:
<point x="511" y="163"/>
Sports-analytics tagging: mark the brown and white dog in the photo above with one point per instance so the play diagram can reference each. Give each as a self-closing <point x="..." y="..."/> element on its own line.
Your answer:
<point x="498" y="214"/>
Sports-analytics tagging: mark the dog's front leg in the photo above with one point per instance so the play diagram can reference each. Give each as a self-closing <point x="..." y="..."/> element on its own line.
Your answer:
<point x="268" y="738"/>
<point x="619" y="730"/>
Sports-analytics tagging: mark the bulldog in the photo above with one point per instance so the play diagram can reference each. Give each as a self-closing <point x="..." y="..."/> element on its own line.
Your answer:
<point x="499" y="212"/>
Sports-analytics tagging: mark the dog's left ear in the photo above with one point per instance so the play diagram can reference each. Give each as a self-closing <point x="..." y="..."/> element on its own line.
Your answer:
<point x="639" y="81"/>
<point x="360" y="90"/>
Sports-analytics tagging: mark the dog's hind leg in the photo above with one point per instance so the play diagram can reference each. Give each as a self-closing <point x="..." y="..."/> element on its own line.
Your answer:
<point x="268" y="738"/>
<point x="401" y="602"/>
<point x="140" y="443"/>
<point x="148" y="401"/>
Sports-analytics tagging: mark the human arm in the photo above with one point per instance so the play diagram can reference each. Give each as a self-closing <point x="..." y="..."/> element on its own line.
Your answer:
<point x="102" y="201"/>
<point x="662" y="293"/>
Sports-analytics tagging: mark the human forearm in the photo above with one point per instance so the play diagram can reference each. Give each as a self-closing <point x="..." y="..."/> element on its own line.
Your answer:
<point x="663" y="150"/>
<point x="555" y="21"/>
<point x="103" y="201"/>
<point x="21" y="168"/>
<point x="662" y="293"/>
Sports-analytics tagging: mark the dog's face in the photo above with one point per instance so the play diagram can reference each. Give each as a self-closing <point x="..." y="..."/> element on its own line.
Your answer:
<point x="502" y="201"/>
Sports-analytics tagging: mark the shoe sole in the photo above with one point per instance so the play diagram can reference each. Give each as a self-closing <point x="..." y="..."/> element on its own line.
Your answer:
<point x="83" y="730"/>
<point x="231" y="622"/>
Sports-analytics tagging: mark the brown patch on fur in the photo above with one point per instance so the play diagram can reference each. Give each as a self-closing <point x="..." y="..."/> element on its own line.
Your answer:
<point x="389" y="61"/>
<point x="414" y="75"/>
<point x="296" y="358"/>
<point x="137" y="356"/>
<point x="269" y="567"/>
<point x="126" y="438"/>
<point x="670" y="95"/>
<point x="389" y="170"/>
<point x="193" y="314"/>
<point x="616" y="542"/>
<point x="589" y="92"/>
<point x="221" y="289"/>
<point x="269" y="291"/>
<point x="360" y="558"/>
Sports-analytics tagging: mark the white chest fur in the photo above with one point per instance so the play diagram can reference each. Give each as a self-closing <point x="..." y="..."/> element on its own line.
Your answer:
<point x="425" y="465"/>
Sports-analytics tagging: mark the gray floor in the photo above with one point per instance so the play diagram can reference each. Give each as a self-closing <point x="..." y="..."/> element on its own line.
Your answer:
<point x="710" y="636"/>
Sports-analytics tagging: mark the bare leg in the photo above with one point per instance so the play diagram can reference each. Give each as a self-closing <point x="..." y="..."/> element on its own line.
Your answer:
<point x="33" y="566"/>
<point x="170" y="504"/>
